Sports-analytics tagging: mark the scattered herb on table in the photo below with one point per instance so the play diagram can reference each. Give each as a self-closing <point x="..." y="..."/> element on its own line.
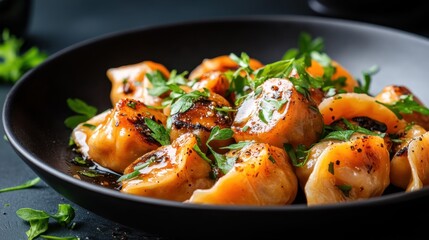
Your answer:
<point x="27" y="184"/>
<point x="13" y="61"/>
<point x="39" y="220"/>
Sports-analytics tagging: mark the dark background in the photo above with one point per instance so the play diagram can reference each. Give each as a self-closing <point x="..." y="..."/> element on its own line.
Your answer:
<point x="53" y="25"/>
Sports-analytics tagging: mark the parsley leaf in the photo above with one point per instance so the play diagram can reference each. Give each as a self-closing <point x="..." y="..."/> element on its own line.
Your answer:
<point x="39" y="219"/>
<point x="158" y="132"/>
<point x="367" y="79"/>
<point x="14" y="63"/>
<point x="137" y="169"/>
<point x="85" y="112"/>
<point x="298" y="156"/>
<point x="27" y="184"/>
<point x="407" y="105"/>
<point x="186" y="101"/>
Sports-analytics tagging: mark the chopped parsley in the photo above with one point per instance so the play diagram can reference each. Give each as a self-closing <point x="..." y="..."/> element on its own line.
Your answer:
<point x="158" y="131"/>
<point x="13" y="61"/>
<point x="406" y="105"/>
<point x="27" y="184"/>
<point x="83" y="110"/>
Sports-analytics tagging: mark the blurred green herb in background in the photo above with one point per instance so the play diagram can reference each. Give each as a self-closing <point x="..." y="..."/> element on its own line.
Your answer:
<point x="14" y="62"/>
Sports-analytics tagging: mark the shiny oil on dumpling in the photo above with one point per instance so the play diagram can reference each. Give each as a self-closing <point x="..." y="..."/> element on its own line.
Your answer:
<point x="351" y="105"/>
<point x="262" y="175"/>
<point x="130" y="81"/>
<point x="410" y="162"/>
<point x="120" y="135"/>
<point x="201" y="117"/>
<point x="276" y="113"/>
<point x="393" y="93"/>
<point x="349" y="171"/>
<point x="171" y="172"/>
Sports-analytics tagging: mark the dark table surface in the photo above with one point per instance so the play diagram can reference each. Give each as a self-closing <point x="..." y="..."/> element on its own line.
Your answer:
<point x="54" y="25"/>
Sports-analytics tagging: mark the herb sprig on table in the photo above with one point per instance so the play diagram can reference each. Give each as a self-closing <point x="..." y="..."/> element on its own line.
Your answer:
<point x="14" y="62"/>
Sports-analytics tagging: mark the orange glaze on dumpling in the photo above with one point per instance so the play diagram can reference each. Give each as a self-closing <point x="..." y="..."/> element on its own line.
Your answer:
<point x="121" y="135"/>
<point x="175" y="173"/>
<point x="130" y="81"/>
<point x="349" y="171"/>
<point x="289" y="116"/>
<point x="350" y="105"/>
<point x="262" y="175"/>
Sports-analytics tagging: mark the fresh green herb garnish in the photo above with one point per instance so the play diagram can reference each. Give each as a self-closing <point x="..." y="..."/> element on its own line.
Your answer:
<point x="83" y="110"/>
<point x="239" y="145"/>
<point x="39" y="220"/>
<point x="131" y="104"/>
<point x="137" y="169"/>
<point x="346" y="134"/>
<point x="367" y="78"/>
<point x="80" y="161"/>
<point x="406" y="105"/>
<point x="298" y="156"/>
<point x="306" y="46"/>
<point x="222" y="162"/>
<point x="267" y="108"/>
<point x="89" y="173"/>
<point x="49" y="237"/>
<point x="345" y="189"/>
<point x="331" y="168"/>
<point x="185" y="101"/>
<point x="343" y="135"/>
<point x="158" y="132"/>
<point x="161" y="85"/>
<point x="14" y="63"/>
<point x="27" y="184"/>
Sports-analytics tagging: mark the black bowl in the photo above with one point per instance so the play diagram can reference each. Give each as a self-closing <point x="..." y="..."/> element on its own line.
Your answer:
<point x="36" y="108"/>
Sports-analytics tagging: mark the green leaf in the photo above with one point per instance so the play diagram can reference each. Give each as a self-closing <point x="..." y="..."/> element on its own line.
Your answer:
<point x="224" y="163"/>
<point x="37" y="227"/>
<point x="64" y="215"/>
<point x="364" y="85"/>
<point x="298" y="156"/>
<point x="81" y="107"/>
<point x="73" y="121"/>
<point x="13" y="61"/>
<point x="29" y="214"/>
<point x="48" y="237"/>
<point x="343" y="135"/>
<point x="83" y="110"/>
<point x="158" y="132"/>
<point x="345" y="189"/>
<point x="219" y="134"/>
<point x="89" y="173"/>
<point x="186" y="101"/>
<point x="238" y="145"/>
<point x="406" y="105"/>
<point x="137" y="169"/>
<point x="26" y="184"/>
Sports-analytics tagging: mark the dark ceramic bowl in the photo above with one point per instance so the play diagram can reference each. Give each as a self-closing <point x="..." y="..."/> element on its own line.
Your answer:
<point x="36" y="107"/>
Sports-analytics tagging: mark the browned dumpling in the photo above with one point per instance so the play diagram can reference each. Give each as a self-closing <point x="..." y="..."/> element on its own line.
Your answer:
<point x="201" y="118"/>
<point x="410" y="163"/>
<point x="130" y="81"/>
<point x="351" y="105"/>
<point x="120" y="136"/>
<point x="349" y="171"/>
<point x="392" y="93"/>
<point x="276" y="113"/>
<point x="171" y="172"/>
<point x="262" y="175"/>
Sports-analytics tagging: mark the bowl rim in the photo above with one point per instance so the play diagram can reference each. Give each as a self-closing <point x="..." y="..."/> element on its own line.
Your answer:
<point x="31" y="159"/>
